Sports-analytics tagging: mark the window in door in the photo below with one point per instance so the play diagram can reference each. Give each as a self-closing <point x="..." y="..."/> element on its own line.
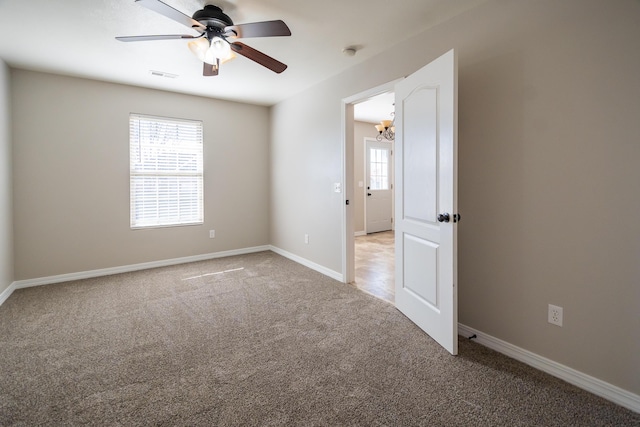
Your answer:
<point x="166" y="171"/>
<point x="379" y="169"/>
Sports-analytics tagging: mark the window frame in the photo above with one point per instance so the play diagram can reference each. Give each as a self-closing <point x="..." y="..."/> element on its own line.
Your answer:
<point x="168" y="182"/>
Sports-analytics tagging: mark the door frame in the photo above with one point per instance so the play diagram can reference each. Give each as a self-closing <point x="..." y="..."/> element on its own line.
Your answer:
<point x="347" y="121"/>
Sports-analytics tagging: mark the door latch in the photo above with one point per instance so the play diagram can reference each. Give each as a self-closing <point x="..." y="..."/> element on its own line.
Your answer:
<point x="445" y="217"/>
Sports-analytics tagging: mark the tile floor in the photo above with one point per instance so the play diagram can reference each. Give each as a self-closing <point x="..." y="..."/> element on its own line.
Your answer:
<point x="375" y="260"/>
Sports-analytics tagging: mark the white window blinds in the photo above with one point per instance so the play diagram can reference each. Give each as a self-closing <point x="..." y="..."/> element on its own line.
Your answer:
<point x="165" y="171"/>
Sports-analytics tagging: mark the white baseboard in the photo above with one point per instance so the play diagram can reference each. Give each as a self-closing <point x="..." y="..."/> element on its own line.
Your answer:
<point x="49" y="280"/>
<point x="586" y="382"/>
<point x="127" y="268"/>
<point x="312" y="265"/>
<point x="7" y="292"/>
<point x="360" y="233"/>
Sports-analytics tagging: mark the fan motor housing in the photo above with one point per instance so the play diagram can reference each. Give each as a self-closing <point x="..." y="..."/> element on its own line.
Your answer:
<point x="212" y="16"/>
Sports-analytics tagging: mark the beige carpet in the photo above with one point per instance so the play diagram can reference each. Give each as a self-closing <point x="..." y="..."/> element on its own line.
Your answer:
<point x="256" y="340"/>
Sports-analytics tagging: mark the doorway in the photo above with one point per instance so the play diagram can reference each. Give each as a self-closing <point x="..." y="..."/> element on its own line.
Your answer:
<point x="426" y="191"/>
<point x="371" y="254"/>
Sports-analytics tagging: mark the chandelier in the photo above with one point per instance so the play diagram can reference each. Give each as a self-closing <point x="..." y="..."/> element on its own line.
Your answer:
<point x="386" y="129"/>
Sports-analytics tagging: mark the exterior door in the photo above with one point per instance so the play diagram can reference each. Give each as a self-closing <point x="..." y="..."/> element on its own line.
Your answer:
<point x="379" y="201"/>
<point x="426" y="199"/>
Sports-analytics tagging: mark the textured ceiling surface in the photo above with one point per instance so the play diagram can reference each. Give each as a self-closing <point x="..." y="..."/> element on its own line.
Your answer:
<point x="77" y="38"/>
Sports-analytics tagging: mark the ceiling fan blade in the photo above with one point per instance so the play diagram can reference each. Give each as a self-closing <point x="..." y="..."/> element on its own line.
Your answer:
<point x="210" y="69"/>
<point x="148" y="38"/>
<point x="259" y="57"/>
<point x="258" y="29"/>
<point x="171" y="13"/>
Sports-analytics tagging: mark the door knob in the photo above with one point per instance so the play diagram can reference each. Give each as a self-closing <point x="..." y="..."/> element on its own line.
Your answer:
<point x="368" y="194"/>
<point x="443" y="217"/>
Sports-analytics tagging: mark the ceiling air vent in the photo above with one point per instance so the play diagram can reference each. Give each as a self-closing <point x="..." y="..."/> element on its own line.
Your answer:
<point x="163" y="74"/>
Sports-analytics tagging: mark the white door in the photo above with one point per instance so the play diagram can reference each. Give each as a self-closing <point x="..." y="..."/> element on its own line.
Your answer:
<point x="379" y="201"/>
<point x="426" y="199"/>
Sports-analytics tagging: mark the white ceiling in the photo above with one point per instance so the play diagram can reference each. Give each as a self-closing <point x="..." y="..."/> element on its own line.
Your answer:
<point x="375" y="109"/>
<point x="77" y="38"/>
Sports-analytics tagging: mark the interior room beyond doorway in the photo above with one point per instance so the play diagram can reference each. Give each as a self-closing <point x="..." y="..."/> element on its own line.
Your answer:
<point x="375" y="262"/>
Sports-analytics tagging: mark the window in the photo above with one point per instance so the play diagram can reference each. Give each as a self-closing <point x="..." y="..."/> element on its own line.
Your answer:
<point x="379" y="167"/>
<point x="165" y="171"/>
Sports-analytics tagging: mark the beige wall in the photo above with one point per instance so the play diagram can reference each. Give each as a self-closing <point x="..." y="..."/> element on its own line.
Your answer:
<point x="361" y="130"/>
<point x="305" y="163"/>
<point x="549" y="100"/>
<point x="6" y="203"/>
<point x="71" y="176"/>
<point x="549" y="151"/>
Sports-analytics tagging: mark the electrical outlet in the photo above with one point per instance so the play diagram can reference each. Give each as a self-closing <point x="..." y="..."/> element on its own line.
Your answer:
<point x="555" y="315"/>
<point x="212" y="234"/>
<point x="306" y="239"/>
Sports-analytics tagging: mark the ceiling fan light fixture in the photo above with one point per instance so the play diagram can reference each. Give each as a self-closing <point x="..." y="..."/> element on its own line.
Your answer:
<point x="208" y="51"/>
<point x="199" y="48"/>
<point x="231" y="56"/>
<point x="220" y="48"/>
<point x="211" y="46"/>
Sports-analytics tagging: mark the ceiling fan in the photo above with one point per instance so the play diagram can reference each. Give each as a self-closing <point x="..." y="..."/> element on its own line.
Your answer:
<point x="213" y="45"/>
